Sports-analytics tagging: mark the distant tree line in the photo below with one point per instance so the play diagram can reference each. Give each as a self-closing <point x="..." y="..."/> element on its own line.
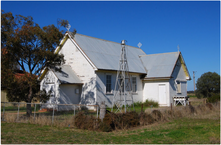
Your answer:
<point x="208" y="86"/>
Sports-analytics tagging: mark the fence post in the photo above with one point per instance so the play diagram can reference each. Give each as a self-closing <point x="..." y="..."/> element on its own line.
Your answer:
<point x="171" y="105"/>
<point x="34" y="111"/>
<point x="102" y="110"/>
<point x="97" y="111"/>
<point x="53" y="115"/>
<point x="74" y="110"/>
<point x="18" y="112"/>
<point x="4" y="112"/>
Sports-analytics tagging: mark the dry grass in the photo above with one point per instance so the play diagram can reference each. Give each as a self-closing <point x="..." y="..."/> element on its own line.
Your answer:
<point x="42" y="120"/>
<point x="198" y="124"/>
<point x="200" y="111"/>
<point x="194" y="101"/>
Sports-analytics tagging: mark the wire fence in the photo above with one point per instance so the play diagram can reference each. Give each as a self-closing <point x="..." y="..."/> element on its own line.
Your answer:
<point x="44" y="113"/>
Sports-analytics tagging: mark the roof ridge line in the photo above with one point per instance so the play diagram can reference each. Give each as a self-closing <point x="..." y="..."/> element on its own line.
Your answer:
<point x="158" y="54"/>
<point x="105" y="40"/>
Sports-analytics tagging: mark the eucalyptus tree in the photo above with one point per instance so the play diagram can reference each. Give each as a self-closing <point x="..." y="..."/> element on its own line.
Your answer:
<point x="26" y="44"/>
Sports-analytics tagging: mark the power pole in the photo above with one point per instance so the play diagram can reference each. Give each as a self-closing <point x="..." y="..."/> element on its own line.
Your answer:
<point x="123" y="89"/>
<point x="194" y="80"/>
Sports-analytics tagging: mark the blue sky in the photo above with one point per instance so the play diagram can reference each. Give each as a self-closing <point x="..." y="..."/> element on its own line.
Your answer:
<point x="159" y="26"/>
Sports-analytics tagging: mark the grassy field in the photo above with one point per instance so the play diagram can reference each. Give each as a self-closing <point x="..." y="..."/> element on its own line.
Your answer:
<point x="186" y="130"/>
<point x="199" y="128"/>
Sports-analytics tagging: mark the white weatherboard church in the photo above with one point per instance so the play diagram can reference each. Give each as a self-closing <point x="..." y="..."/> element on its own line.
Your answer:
<point x="89" y="73"/>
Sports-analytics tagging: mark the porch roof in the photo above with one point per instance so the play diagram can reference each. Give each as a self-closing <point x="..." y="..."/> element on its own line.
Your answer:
<point x="67" y="75"/>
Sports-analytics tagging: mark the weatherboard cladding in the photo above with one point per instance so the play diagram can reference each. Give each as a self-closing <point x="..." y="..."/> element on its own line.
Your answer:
<point x="105" y="55"/>
<point x="160" y="65"/>
<point x="67" y="75"/>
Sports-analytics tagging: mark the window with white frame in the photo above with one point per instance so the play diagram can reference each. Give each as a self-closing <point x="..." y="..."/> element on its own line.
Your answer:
<point x="134" y="84"/>
<point x="108" y="84"/>
<point x="178" y="87"/>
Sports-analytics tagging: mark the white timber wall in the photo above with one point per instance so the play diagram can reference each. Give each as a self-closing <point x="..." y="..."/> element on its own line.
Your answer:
<point x="69" y="95"/>
<point x="101" y="87"/>
<point x="51" y="83"/>
<point x="138" y="96"/>
<point x="84" y="70"/>
<point x="178" y="74"/>
<point x="151" y="91"/>
<point x="108" y="98"/>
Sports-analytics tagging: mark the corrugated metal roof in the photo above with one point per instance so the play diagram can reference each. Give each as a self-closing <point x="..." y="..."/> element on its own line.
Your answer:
<point x="160" y="65"/>
<point x="67" y="75"/>
<point x="106" y="54"/>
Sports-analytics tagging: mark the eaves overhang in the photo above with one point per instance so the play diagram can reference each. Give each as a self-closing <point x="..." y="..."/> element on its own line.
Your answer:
<point x="118" y="70"/>
<point x="157" y="78"/>
<point x="183" y="65"/>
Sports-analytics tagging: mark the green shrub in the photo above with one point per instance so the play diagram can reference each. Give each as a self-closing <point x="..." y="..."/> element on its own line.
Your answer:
<point x="147" y="103"/>
<point x="214" y="98"/>
<point x="137" y="104"/>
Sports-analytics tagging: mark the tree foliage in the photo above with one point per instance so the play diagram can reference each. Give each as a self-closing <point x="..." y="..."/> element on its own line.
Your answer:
<point x="207" y="85"/>
<point x="25" y="43"/>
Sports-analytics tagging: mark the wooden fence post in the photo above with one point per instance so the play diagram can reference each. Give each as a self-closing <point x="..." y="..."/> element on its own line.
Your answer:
<point x="74" y="110"/>
<point x="97" y="111"/>
<point x="171" y="105"/>
<point x="34" y="111"/>
<point x="102" y="110"/>
<point x="4" y="112"/>
<point x="18" y="112"/>
<point x="53" y="115"/>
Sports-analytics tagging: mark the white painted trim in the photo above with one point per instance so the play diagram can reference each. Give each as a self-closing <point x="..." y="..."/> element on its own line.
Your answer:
<point x="82" y="52"/>
<point x="55" y="75"/>
<point x="181" y="80"/>
<point x="60" y="42"/>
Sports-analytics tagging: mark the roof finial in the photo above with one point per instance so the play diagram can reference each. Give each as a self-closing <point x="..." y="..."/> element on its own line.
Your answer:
<point x="68" y="27"/>
<point x="139" y="44"/>
<point x="178" y="47"/>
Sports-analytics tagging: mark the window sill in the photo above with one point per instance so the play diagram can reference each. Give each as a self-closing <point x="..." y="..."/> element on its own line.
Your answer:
<point x="134" y="93"/>
<point x="109" y="94"/>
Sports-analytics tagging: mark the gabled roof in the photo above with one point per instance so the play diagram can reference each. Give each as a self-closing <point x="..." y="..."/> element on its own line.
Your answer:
<point x="105" y="55"/>
<point x="162" y="65"/>
<point x="67" y="75"/>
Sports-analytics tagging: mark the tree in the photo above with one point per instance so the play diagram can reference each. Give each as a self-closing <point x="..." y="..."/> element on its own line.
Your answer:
<point x="207" y="85"/>
<point x="32" y="48"/>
